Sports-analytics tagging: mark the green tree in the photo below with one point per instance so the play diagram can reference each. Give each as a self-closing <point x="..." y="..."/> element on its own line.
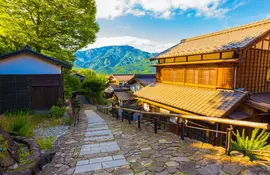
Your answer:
<point x="53" y="27"/>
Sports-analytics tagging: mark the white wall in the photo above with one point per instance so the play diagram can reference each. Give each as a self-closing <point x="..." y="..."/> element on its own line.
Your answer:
<point x="27" y="64"/>
<point x="135" y="87"/>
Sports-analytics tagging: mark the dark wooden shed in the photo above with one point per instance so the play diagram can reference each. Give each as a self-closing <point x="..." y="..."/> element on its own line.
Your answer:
<point x="29" y="79"/>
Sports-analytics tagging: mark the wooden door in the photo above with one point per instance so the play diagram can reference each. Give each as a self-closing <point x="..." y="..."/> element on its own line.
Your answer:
<point x="44" y="97"/>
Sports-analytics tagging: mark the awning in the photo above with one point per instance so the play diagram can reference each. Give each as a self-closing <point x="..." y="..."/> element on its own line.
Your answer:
<point x="260" y="101"/>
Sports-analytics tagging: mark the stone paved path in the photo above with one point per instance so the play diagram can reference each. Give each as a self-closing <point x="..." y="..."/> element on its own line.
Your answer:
<point x="98" y="132"/>
<point x="147" y="153"/>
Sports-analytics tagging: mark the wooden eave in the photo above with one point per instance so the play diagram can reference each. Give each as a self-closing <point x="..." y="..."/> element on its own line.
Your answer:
<point x="258" y="39"/>
<point x="199" y="53"/>
<point x="235" y="60"/>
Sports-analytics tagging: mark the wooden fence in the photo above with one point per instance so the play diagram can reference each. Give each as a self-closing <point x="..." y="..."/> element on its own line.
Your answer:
<point x="183" y="124"/>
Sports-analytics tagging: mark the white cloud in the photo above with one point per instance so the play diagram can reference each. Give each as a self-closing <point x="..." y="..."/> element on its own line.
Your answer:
<point x="268" y="16"/>
<point x="110" y="9"/>
<point x="143" y="44"/>
<point x="135" y="12"/>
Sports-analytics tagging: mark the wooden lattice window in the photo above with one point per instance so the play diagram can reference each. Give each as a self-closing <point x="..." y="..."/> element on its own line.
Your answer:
<point x="225" y="77"/>
<point x="190" y="75"/>
<point x="178" y="75"/>
<point x="208" y="76"/>
<point x="166" y="74"/>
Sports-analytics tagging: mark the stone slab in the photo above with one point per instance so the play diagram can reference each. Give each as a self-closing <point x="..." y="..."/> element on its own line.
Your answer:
<point x="88" y="167"/>
<point x="98" y="129"/>
<point x="114" y="163"/>
<point x="99" y="138"/>
<point x="121" y="156"/>
<point x="101" y="159"/>
<point x="83" y="162"/>
<point x="98" y="133"/>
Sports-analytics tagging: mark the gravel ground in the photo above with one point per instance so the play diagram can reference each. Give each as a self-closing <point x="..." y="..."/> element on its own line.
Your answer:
<point x="51" y="131"/>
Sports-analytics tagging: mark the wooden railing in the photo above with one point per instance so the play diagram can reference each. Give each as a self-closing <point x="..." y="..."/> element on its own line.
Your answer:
<point x="183" y="124"/>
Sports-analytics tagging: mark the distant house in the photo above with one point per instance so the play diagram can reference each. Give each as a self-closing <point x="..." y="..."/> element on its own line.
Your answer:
<point x="141" y="80"/>
<point x="120" y="79"/>
<point x="29" y="79"/>
<point x="211" y="75"/>
<point x="81" y="77"/>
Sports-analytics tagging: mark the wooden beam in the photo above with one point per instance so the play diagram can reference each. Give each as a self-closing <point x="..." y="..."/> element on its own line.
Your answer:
<point x="200" y="62"/>
<point x="207" y="119"/>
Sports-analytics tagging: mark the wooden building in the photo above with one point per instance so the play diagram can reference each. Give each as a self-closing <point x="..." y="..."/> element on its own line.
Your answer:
<point x="120" y="79"/>
<point x="141" y="80"/>
<point x="29" y="79"/>
<point x="221" y="74"/>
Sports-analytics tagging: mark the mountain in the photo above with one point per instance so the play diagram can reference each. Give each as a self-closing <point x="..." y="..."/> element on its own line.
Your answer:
<point x="115" y="59"/>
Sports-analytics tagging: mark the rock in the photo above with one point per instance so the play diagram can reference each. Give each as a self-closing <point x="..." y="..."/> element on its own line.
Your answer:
<point x="137" y="167"/>
<point x="210" y="169"/>
<point x="146" y="163"/>
<point x="63" y="168"/>
<point x="172" y="163"/>
<point x="163" y="141"/>
<point x="70" y="171"/>
<point x="156" y="169"/>
<point x="145" y="149"/>
<point x="232" y="169"/>
<point x="9" y="154"/>
<point x="165" y="172"/>
<point x="180" y="159"/>
<point x="58" y="165"/>
<point x="172" y="170"/>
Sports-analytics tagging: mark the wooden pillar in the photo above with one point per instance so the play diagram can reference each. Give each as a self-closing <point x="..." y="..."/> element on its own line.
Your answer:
<point x="139" y="121"/>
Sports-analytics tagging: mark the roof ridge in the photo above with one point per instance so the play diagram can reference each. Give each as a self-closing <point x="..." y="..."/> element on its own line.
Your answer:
<point x="254" y="24"/>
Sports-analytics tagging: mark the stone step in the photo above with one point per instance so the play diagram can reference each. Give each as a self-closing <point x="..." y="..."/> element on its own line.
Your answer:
<point x="96" y="148"/>
<point x="100" y="163"/>
<point x="96" y="125"/>
<point x="98" y="133"/>
<point x="99" y="138"/>
<point x="98" y="129"/>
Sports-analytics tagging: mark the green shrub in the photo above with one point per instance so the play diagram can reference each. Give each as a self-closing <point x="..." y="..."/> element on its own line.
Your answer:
<point x="20" y="125"/>
<point x="45" y="142"/>
<point x="71" y="83"/>
<point x="67" y="121"/>
<point x="57" y="111"/>
<point x="257" y="141"/>
<point x="60" y="102"/>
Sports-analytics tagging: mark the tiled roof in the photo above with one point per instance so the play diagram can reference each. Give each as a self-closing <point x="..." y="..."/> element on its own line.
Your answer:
<point x="28" y="49"/>
<point x="116" y="87"/>
<point x="123" y="77"/>
<point x="145" y="79"/>
<point x="229" y="39"/>
<point x="260" y="101"/>
<point x="202" y="101"/>
<point x="124" y="95"/>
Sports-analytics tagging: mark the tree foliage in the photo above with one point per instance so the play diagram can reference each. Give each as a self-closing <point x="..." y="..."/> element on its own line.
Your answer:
<point x="53" y="27"/>
<point x="71" y="83"/>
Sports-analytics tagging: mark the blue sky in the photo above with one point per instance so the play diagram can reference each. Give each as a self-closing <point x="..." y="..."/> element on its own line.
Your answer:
<point x="154" y="25"/>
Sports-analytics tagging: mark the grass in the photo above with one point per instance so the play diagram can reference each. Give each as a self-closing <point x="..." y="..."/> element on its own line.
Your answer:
<point x="67" y="121"/>
<point x="25" y="125"/>
<point x="23" y="154"/>
<point x="45" y="142"/>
